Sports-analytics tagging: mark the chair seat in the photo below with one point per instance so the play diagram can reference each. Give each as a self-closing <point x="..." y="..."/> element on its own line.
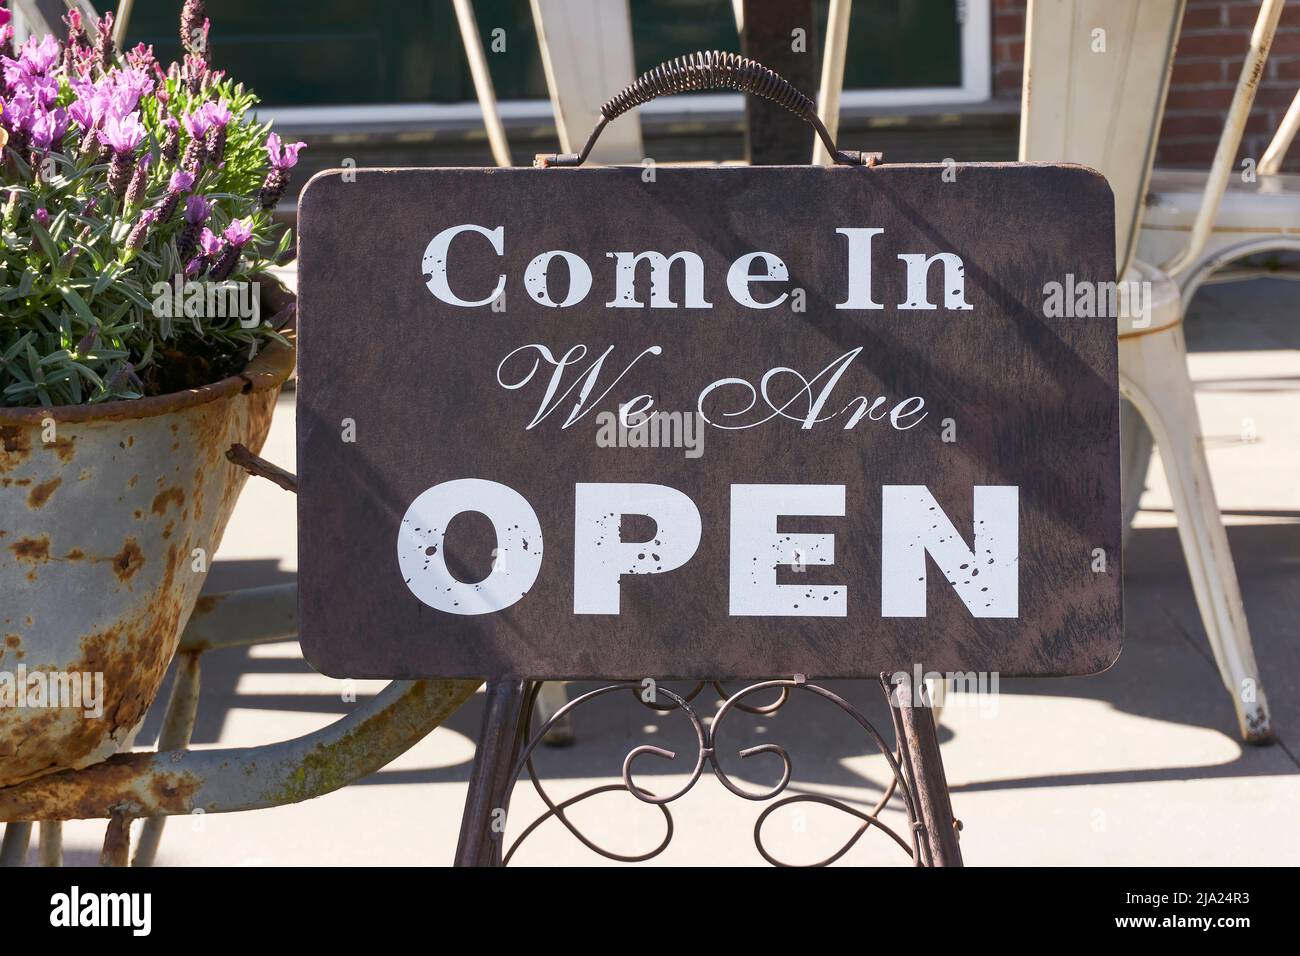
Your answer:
<point x="1165" y="304"/>
<point x="1269" y="204"/>
<point x="1262" y="210"/>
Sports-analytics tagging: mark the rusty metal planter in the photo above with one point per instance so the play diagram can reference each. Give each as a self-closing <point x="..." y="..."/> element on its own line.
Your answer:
<point x="109" y="517"/>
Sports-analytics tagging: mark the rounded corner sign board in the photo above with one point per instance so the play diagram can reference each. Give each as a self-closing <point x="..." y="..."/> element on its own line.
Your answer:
<point x="721" y="422"/>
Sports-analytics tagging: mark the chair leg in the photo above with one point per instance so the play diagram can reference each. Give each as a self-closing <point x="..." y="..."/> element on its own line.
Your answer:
<point x="550" y="699"/>
<point x="1153" y="376"/>
<point x="1135" y="459"/>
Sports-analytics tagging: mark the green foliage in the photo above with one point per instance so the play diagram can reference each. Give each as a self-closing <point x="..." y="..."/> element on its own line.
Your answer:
<point x="79" y="321"/>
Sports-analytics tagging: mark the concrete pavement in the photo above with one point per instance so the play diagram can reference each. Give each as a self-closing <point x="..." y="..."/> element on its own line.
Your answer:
<point x="1140" y="765"/>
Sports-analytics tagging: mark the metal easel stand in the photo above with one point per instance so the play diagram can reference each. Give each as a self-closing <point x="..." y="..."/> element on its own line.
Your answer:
<point x="507" y="741"/>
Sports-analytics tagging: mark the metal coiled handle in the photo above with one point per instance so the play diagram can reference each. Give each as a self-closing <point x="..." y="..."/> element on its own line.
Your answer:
<point x="710" y="70"/>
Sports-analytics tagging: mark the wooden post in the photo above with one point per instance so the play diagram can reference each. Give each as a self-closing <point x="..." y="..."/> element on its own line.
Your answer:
<point x="773" y="135"/>
<point x="482" y="825"/>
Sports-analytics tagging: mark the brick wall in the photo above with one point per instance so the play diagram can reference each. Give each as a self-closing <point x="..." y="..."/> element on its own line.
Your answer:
<point x="1215" y="36"/>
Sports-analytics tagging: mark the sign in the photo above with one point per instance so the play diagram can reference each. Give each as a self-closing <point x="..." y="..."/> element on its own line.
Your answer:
<point x="713" y="422"/>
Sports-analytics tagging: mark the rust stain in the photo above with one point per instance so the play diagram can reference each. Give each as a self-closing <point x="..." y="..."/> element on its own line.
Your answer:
<point x="76" y="554"/>
<point x="93" y="792"/>
<point x="17" y="445"/>
<point x="174" y="495"/>
<point x="132" y="481"/>
<point x="32" y="549"/>
<point x="133" y="655"/>
<point x="127" y="561"/>
<point x="64" y="449"/>
<point x="13" y="640"/>
<point x="40" y="494"/>
<point x="117" y="841"/>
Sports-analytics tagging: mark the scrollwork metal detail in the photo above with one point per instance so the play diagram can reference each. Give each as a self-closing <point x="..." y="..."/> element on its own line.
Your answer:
<point x="665" y="701"/>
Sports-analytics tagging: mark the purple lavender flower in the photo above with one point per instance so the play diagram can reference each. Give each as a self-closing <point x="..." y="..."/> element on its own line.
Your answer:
<point x="283" y="158"/>
<point x="195" y="73"/>
<point x="19" y="112"/>
<point x="209" y="244"/>
<point x="88" y="341"/>
<point x="35" y="58"/>
<point x="219" y="116"/>
<point x="197" y="124"/>
<point x="126" y="87"/>
<point x="6" y="33"/>
<point x="48" y="129"/>
<point x="179" y="183"/>
<point x="197" y="210"/>
<point x="136" y="237"/>
<point x="42" y="215"/>
<point x="122" y="135"/>
<point x="83" y="113"/>
<point x="17" y="116"/>
<point x="172" y="141"/>
<point x="43" y="89"/>
<point x="139" y="179"/>
<point x="72" y="54"/>
<point x="209" y="249"/>
<point x="88" y="111"/>
<point x="104" y="47"/>
<point x="142" y="58"/>
<point x="192" y="17"/>
<point x="237" y="235"/>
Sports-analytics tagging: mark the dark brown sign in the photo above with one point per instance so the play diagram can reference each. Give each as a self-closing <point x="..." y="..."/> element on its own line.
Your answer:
<point x="708" y="422"/>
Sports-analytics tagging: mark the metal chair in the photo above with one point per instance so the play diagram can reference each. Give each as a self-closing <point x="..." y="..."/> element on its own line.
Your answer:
<point x="1096" y="75"/>
<point x="1259" y="214"/>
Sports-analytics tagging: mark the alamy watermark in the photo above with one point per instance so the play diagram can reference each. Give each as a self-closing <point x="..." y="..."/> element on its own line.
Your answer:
<point x="192" y="299"/>
<point x="656" y="429"/>
<point x="1088" y="300"/>
<point x="75" y="908"/>
<point x="962" y="689"/>
<point x="53" y="690"/>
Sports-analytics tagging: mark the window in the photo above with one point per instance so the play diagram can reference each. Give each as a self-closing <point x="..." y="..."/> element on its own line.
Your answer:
<point x="331" y="53"/>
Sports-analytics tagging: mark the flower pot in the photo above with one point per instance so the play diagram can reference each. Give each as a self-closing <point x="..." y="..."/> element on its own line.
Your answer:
<point x="110" y="515"/>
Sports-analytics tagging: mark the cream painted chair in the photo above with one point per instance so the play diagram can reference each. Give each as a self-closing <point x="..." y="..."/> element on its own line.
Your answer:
<point x="1096" y="75"/>
<point x="1260" y="213"/>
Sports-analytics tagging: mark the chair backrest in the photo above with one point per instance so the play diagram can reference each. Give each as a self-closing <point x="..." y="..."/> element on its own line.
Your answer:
<point x="587" y="53"/>
<point x="1096" y="74"/>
